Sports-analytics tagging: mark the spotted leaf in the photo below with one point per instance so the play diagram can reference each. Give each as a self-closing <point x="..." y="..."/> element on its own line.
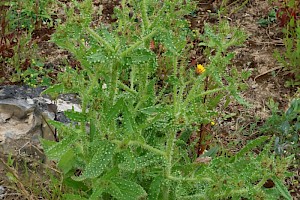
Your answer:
<point x="99" y="162"/>
<point x="122" y="189"/>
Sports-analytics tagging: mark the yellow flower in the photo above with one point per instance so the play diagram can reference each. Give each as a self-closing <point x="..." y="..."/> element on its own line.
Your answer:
<point x="200" y="69"/>
<point x="212" y="123"/>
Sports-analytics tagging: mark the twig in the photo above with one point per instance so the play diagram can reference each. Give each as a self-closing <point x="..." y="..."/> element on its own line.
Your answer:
<point x="274" y="42"/>
<point x="270" y="70"/>
<point x="23" y="147"/>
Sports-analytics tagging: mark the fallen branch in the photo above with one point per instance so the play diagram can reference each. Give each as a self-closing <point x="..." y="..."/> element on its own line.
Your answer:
<point x="268" y="71"/>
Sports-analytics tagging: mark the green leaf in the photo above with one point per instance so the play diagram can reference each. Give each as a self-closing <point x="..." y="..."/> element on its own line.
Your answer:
<point x="108" y="36"/>
<point x="67" y="161"/>
<point x="211" y="152"/>
<point x="54" y="90"/>
<point x="47" y="144"/>
<point x="168" y="42"/>
<point x="142" y="56"/>
<point x="99" y="162"/>
<point x="73" y="197"/>
<point x="58" y="125"/>
<point x="128" y="161"/>
<point x="57" y="150"/>
<point x="252" y="144"/>
<point x="97" y="57"/>
<point x="147" y="160"/>
<point x="76" y="116"/>
<point x="213" y="103"/>
<point x="154" y="189"/>
<point x="152" y="110"/>
<point x="92" y="130"/>
<point x="122" y="189"/>
<point x="114" y="111"/>
<point x="96" y="193"/>
<point x="281" y="188"/>
<point x="263" y="22"/>
<point x="129" y="122"/>
<point x="75" y="185"/>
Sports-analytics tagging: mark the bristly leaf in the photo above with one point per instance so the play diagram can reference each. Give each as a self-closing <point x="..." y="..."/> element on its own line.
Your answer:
<point x="67" y="161"/>
<point x="251" y="145"/>
<point x="114" y="111"/>
<point x="58" y="125"/>
<point x="73" y="197"/>
<point x="76" y="116"/>
<point x="154" y="189"/>
<point x="129" y="122"/>
<point x="54" y="90"/>
<point x="99" y="162"/>
<point x="97" y="57"/>
<point x="281" y="188"/>
<point x="122" y="189"/>
<point x="142" y="56"/>
<point x="152" y="110"/>
<point x="96" y="193"/>
<point x="92" y="130"/>
<point x="128" y="161"/>
<point x="147" y="160"/>
<point x="57" y="150"/>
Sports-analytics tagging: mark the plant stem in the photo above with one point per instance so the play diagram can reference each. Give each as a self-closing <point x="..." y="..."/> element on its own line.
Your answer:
<point x="126" y="88"/>
<point x="192" y="94"/>
<point x="175" y="90"/>
<point x="195" y="196"/>
<point x="169" y="152"/>
<point x="148" y="147"/>
<point x="166" y="191"/>
<point x="144" y="15"/>
<point x="173" y="178"/>
<point x="138" y="43"/>
<point x="114" y="80"/>
<point x="142" y="145"/>
<point x="100" y="40"/>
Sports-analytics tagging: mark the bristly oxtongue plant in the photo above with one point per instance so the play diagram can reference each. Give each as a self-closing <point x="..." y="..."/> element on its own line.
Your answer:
<point x="140" y="102"/>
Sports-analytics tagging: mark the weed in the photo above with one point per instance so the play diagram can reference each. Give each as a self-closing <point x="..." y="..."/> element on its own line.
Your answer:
<point x="134" y="138"/>
<point x="288" y="17"/>
<point x="291" y="57"/>
<point x="271" y="18"/>
<point x="285" y="125"/>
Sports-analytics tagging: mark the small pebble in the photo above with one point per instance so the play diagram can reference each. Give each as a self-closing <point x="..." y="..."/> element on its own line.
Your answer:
<point x="2" y="191"/>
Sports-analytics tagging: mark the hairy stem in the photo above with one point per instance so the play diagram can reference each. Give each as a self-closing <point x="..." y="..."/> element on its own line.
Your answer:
<point x="169" y="152"/>
<point x="192" y="95"/>
<point x="100" y="40"/>
<point x="142" y="145"/>
<point x="126" y="88"/>
<point x="144" y="15"/>
<point x="138" y="43"/>
<point x="114" y="80"/>
<point x="175" y="87"/>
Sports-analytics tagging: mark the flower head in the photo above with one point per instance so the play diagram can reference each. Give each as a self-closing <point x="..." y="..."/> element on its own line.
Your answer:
<point x="200" y="69"/>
